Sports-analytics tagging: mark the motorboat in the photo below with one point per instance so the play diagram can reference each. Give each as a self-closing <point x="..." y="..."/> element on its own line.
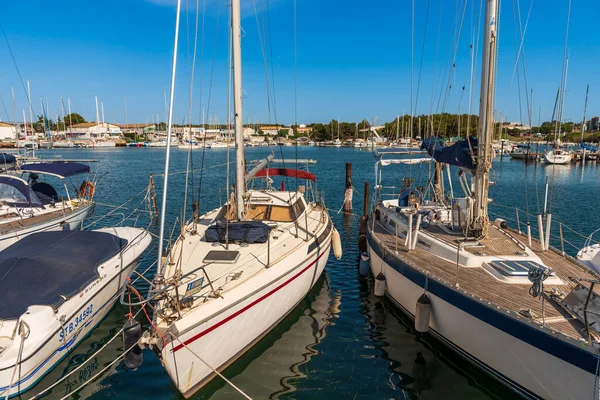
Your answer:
<point x="72" y="281"/>
<point x="30" y="202"/>
<point x="103" y="143"/>
<point x="63" y="144"/>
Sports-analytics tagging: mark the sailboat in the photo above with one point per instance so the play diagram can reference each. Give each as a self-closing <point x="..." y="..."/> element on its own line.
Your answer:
<point x="337" y="142"/>
<point x="513" y="305"/>
<point x="235" y="272"/>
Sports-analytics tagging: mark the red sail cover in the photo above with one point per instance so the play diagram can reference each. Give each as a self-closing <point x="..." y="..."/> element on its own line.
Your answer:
<point x="293" y="173"/>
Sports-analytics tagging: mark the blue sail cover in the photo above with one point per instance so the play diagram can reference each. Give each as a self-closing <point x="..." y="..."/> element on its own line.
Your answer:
<point x="6" y="158"/>
<point x="583" y="146"/>
<point x="60" y="168"/>
<point x="459" y="154"/>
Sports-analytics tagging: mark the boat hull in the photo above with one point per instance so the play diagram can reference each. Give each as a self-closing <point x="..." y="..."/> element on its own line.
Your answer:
<point x="466" y="325"/>
<point x="225" y="336"/>
<point x="92" y="305"/>
<point x="70" y="222"/>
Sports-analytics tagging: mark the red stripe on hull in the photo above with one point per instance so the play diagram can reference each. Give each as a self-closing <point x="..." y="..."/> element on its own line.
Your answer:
<point x="246" y="308"/>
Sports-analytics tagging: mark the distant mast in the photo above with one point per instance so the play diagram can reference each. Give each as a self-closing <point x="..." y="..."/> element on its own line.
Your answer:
<point x="484" y="160"/>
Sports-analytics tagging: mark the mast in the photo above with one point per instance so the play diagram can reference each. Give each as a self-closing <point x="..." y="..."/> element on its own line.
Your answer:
<point x="484" y="160"/>
<point x="163" y="210"/>
<point x="584" y="112"/>
<point x="237" y="108"/>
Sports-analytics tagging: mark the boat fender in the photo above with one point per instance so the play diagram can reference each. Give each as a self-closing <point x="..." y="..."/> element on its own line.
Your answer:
<point x="501" y="223"/>
<point x="132" y="332"/>
<point x="363" y="266"/>
<point x="336" y="243"/>
<point x="379" y="290"/>
<point x="422" y="313"/>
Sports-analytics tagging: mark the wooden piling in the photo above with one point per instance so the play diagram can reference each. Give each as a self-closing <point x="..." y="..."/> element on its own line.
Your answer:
<point x="153" y="196"/>
<point x="348" y="190"/>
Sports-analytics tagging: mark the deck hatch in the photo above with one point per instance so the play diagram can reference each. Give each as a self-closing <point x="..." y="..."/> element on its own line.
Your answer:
<point x="221" y="256"/>
<point x="516" y="268"/>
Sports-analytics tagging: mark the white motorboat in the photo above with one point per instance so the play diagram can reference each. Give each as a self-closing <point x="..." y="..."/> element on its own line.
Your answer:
<point x="32" y="205"/>
<point x="558" y="156"/>
<point x="103" y="143"/>
<point x="72" y="281"/>
<point x="63" y="144"/>
<point x="337" y="143"/>
<point x="589" y="255"/>
<point x="511" y="304"/>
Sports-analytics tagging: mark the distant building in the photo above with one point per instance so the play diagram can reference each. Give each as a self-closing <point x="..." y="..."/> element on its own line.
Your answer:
<point x="94" y="130"/>
<point x="249" y="132"/>
<point x="594" y="124"/>
<point x="7" y="131"/>
<point x="304" y="130"/>
<point x="271" y="130"/>
<point x="138" y="129"/>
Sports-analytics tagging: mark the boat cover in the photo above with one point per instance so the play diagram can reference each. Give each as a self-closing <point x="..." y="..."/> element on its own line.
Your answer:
<point x="246" y="231"/>
<point x="59" y="168"/>
<point x="16" y="192"/>
<point x="458" y="154"/>
<point x="6" y="158"/>
<point x="289" y="172"/>
<point x="42" y="267"/>
<point x="583" y="146"/>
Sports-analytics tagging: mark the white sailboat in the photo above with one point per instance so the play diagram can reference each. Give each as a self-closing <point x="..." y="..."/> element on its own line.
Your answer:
<point x="237" y="271"/>
<point x="509" y="303"/>
<point x="337" y="142"/>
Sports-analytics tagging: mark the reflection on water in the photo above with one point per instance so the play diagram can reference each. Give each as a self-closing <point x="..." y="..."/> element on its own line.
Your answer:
<point x="273" y="367"/>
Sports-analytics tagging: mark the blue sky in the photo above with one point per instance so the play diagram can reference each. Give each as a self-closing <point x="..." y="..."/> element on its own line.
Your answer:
<point x="354" y="58"/>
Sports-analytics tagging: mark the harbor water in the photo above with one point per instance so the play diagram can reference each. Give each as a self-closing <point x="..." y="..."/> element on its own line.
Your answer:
<point x="341" y="342"/>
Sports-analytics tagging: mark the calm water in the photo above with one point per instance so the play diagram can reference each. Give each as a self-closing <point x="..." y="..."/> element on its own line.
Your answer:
<point x="341" y="341"/>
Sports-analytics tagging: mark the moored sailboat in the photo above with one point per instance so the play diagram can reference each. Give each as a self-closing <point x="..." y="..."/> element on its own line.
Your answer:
<point x="509" y="303"/>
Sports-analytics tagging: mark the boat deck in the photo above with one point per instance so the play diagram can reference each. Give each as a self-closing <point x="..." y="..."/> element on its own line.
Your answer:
<point x="13" y="223"/>
<point x="481" y="284"/>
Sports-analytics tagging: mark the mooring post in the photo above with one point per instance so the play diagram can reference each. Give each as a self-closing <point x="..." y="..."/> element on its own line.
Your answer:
<point x="348" y="190"/>
<point x="153" y="195"/>
<point x="501" y="150"/>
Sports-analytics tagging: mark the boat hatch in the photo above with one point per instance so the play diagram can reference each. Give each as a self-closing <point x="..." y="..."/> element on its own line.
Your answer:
<point x="516" y="268"/>
<point x="221" y="257"/>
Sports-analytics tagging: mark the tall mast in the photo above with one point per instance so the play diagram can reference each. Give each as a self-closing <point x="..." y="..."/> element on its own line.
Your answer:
<point x="169" y="129"/>
<point x="237" y="108"/>
<point x="584" y="112"/>
<point x="486" y="123"/>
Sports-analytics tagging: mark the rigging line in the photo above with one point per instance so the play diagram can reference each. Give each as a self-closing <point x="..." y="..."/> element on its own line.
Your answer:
<point x="262" y="42"/>
<point x="437" y="46"/>
<point x="474" y="55"/>
<point x="201" y="106"/>
<point x="16" y="67"/>
<point x="521" y="50"/>
<point x="191" y="76"/>
<point x="271" y="56"/>
<point x="422" y="54"/>
<point x="529" y="101"/>
<point x="212" y="69"/>
<point x="564" y="84"/>
<point x="4" y="106"/>
<point x="412" y="67"/>
<point x="518" y="57"/>
<point x="449" y="87"/>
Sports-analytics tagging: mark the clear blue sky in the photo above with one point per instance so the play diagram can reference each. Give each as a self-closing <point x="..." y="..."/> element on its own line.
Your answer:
<point x="354" y="58"/>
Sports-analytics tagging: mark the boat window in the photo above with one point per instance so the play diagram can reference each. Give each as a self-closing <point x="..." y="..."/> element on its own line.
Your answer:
<point x="10" y="194"/>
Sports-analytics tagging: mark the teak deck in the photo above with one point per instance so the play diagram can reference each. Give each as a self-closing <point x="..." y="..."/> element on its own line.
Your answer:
<point x="8" y="227"/>
<point x="480" y="283"/>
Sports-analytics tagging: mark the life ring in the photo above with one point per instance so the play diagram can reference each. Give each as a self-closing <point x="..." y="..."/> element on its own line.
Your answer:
<point x="87" y="189"/>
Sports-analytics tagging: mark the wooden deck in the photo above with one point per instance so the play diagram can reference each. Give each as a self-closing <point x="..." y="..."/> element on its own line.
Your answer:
<point x="514" y="297"/>
<point x="12" y="226"/>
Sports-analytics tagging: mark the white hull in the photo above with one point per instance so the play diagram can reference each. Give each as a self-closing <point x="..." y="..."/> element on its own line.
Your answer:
<point x="104" y="144"/>
<point x="560" y="158"/>
<point x="224" y="336"/>
<point x="71" y="222"/>
<point x="63" y="145"/>
<point x="47" y="344"/>
<point x="544" y="375"/>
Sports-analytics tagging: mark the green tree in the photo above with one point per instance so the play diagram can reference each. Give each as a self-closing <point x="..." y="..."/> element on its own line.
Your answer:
<point x="74" y="119"/>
